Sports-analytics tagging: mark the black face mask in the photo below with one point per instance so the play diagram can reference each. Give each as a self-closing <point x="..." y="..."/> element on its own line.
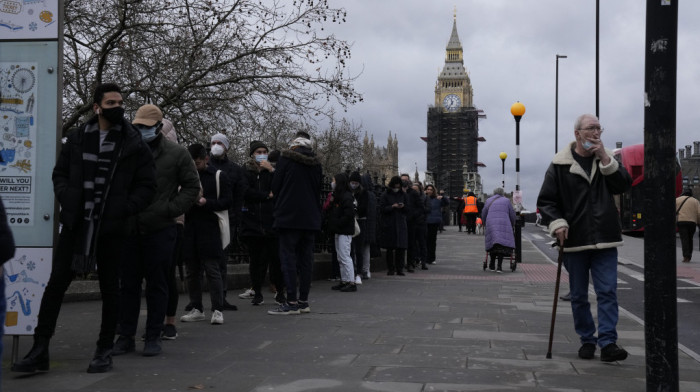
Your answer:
<point x="113" y="115"/>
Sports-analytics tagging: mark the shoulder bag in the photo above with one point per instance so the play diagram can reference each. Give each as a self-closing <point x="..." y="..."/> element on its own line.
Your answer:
<point x="222" y="217"/>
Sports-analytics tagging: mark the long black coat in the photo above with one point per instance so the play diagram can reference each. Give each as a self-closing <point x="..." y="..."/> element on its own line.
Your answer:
<point x="394" y="233"/>
<point x="236" y="179"/>
<point x="202" y="237"/>
<point x="256" y="217"/>
<point x="368" y="225"/>
<point x="341" y="216"/>
<point x="130" y="190"/>
<point x="296" y="187"/>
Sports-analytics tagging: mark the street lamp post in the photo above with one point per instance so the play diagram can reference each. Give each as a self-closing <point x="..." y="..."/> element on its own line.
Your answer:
<point x="556" y="106"/>
<point x="503" y="157"/>
<point x="517" y="110"/>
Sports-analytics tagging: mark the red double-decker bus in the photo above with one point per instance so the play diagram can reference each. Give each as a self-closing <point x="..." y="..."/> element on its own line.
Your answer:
<point x="631" y="203"/>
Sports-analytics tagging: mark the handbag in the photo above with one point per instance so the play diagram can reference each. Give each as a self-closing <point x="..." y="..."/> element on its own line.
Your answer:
<point x="222" y="217"/>
<point x="357" y="229"/>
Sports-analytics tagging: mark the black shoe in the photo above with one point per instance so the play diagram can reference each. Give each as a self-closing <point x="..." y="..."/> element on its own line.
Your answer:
<point x="411" y="270"/>
<point x="338" y="286"/>
<point x="101" y="362"/>
<point x="169" y="332"/>
<point x="400" y="273"/>
<point x="390" y="273"/>
<point x="349" y="288"/>
<point x="612" y="352"/>
<point x="228" y="306"/>
<point x="424" y="267"/>
<point x="36" y="360"/>
<point x="152" y="348"/>
<point x="123" y="345"/>
<point x="587" y="351"/>
<point x="566" y="297"/>
<point x="280" y="299"/>
<point x="257" y="300"/>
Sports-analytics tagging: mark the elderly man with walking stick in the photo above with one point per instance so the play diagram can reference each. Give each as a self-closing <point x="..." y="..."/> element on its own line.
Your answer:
<point x="577" y="198"/>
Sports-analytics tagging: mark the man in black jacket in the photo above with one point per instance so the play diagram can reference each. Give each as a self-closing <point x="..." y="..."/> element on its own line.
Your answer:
<point x="296" y="187"/>
<point x="414" y="211"/>
<point x="104" y="176"/>
<point x="577" y="197"/>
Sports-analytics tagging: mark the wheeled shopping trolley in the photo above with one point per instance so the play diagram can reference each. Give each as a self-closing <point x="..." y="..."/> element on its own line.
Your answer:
<point x="513" y="264"/>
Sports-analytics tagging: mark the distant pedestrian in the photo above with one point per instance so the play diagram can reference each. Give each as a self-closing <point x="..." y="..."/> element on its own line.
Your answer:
<point x="471" y="210"/>
<point x="203" y="247"/>
<point x="366" y="204"/>
<point x="499" y="216"/>
<point x="577" y="199"/>
<point x="421" y="227"/>
<point x="341" y="223"/>
<point x="256" y="225"/>
<point x="435" y="203"/>
<point x="296" y="187"/>
<point x="368" y="223"/>
<point x="104" y="176"/>
<point x="414" y="211"/>
<point x="394" y="230"/>
<point x="687" y="218"/>
<point x="149" y="247"/>
<point x="218" y="159"/>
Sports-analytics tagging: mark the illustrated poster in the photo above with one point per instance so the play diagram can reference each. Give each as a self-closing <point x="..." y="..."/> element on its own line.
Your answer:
<point x="28" y="19"/>
<point x="18" y="119"/>
<point x="26" y="276"/>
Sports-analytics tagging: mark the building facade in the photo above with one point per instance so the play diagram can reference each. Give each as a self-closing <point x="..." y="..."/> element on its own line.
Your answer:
<point x="690" y="167"/>
<point x="453" y="127"/>
<point x="381" y="162"/>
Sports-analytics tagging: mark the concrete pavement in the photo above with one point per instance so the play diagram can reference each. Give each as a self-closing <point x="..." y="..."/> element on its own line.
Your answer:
<point x="452" y="328"/>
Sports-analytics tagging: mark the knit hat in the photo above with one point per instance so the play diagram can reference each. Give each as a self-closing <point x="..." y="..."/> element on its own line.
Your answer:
<point x="355" y="176"/>
<point x="220" y="137"/>
<point x="255" y="144"/>
<point x="301" y="142"/>
<point x="148" y="115"/>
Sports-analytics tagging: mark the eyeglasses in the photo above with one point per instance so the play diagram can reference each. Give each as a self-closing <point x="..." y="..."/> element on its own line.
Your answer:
<point x="593" y="128"/>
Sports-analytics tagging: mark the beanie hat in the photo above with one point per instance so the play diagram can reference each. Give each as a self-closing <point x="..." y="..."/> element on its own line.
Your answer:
<point x="355" y="176"/>
<point x="220" y="137"/>
<point x="148" y="115"/>
<point x="255" y="144"/>
<point x="301" y="142"/>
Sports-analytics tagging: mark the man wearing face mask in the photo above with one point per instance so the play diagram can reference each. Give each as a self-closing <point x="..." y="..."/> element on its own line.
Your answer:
<point x="149" y="247"/>
<point x="219" y="160"/>
<point x="104" y="176"/>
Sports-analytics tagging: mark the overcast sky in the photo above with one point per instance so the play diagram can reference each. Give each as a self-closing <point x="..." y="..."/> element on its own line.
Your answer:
<point x="509" y="52"/>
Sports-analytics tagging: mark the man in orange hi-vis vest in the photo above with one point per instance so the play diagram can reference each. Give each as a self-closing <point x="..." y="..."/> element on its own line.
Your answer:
<point x="470" y="212"/>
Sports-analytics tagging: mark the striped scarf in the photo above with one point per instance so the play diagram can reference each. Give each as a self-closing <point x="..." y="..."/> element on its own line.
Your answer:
<point x="97" y="165"/>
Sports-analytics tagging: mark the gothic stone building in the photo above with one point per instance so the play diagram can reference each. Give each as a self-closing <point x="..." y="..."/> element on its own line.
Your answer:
<point x="453" y="127"/>
<point x="381" y="162"/>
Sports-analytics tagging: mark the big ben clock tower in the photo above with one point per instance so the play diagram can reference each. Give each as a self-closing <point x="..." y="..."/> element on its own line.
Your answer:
<point x="453" y="127"/>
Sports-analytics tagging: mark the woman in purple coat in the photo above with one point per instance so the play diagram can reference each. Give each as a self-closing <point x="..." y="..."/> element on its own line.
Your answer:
<point x="499" y="218"/>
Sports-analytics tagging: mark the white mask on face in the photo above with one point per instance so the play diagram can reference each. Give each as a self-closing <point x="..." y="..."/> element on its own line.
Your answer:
<point x="217" y="150"/>
<point x="261" y="157"/>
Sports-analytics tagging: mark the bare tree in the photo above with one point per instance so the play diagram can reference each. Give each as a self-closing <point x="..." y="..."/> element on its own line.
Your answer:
<point x="256" y="69"/>
<point x="339" y="147"/>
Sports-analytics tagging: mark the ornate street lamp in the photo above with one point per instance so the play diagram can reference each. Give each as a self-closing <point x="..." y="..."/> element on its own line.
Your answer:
<point x="503" y="157"/>
<point x="517" y="110"/>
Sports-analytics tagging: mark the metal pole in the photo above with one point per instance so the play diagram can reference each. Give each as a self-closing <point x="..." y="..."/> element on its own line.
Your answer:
<point x="597" y="58"/>
<point x="660" y="312"/>
<point x="518" y="217"/>
<point x="503" y="174"/>
<point x="556" y="107"/>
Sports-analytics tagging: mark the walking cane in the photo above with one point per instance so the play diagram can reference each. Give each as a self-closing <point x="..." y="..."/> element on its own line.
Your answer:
<point x="554" y="306"/>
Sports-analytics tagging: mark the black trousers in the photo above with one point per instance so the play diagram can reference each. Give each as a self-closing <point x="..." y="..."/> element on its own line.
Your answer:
<point x="264" y="254"/>
<point x="471" y="222"/>
<point x="412" y="246"/>
<point x="173" y="294"/>
<point x="431" y="242"/>
<point x="394" y="259"/>
<point x="109" y="253"/>
<point x="686" y="230"/>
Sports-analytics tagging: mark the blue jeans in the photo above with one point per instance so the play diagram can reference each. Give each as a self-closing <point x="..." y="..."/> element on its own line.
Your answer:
<point x="602" y="266"/>
<point x="297" y="256"/>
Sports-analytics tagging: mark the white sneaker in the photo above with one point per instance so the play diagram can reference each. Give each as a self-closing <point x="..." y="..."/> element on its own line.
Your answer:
<point x="193" y="315"/>
<point x="217" y="317"/>
<point x="358" y="280"/>
<point x="248" y="294"/>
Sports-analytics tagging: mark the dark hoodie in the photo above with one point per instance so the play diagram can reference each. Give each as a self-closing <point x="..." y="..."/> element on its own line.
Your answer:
<point x="296" y="187"/>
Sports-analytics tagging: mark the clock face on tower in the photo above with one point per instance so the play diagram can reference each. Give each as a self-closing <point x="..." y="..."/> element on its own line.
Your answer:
<point x="451" y="103"/>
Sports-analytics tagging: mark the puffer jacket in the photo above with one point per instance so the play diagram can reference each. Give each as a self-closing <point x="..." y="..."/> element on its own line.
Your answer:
<point x="434" y="206"/>
<point x="582" y="203"/>
<point x="130" y="189"/>
<point x="499" y="216"/>
<point x="257" y="207"/>
<point x="177" y="189"/>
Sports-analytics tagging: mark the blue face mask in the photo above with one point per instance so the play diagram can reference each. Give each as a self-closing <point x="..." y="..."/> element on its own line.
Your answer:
<point x="148" y="133"/>
<point x="261" y="157"/>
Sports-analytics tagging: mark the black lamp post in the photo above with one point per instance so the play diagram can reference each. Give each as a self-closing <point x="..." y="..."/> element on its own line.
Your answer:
<point x="517" y="110"/>
<point x="503" y="157"/>
<point x="556" y="106"/>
